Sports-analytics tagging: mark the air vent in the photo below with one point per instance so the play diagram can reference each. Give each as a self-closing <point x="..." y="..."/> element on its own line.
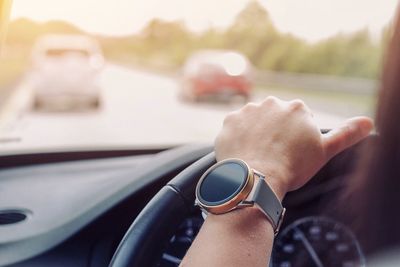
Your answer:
<point x="12" y="216"/>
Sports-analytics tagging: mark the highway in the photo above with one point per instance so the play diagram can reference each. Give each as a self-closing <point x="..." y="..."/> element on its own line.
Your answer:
<point x="139" y="109"/>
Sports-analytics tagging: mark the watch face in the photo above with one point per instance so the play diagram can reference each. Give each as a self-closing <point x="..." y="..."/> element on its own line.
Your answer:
<point x="222" y="183"/>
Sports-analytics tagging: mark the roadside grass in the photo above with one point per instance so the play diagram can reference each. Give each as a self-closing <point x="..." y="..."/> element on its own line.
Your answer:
<point x="337" y="103"/>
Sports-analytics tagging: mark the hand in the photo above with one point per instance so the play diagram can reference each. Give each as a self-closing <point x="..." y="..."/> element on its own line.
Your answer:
<point x="281" y="140"/>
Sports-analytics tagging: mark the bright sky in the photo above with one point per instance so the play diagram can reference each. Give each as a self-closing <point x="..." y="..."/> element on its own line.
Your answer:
<point x="310" y="19"/>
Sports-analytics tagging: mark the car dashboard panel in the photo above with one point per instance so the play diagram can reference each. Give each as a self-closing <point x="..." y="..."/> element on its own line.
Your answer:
<point x="67" y="200"/>
<point x="79" y="211"/>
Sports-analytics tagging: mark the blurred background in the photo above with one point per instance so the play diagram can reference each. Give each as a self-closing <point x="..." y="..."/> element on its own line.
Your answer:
<point x="89" y="74"/>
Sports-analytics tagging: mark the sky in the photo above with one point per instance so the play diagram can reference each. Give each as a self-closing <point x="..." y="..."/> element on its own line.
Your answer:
<point x="310" y="19"/>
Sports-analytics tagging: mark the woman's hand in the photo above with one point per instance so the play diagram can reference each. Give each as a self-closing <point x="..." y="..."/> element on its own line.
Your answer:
<point x="281" y="140"/>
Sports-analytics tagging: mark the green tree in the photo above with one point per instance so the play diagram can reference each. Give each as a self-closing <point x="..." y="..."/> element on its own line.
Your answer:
<point x="252" y="32"/>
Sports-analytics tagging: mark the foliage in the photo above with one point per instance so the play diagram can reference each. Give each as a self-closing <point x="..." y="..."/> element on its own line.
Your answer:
<point x="168" y="43"/>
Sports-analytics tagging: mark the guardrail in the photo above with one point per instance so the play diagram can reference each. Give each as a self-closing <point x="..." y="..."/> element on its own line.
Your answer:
<point x="316" y="82"/>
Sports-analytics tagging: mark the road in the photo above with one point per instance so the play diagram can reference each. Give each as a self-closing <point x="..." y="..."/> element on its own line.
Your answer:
<point x="139" y="109"/>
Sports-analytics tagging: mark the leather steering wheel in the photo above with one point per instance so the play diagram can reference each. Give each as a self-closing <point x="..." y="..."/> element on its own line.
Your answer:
<point x="146" y="238"/>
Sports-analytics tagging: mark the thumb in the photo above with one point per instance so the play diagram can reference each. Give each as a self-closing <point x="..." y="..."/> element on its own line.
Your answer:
<point x="350" y="133"/>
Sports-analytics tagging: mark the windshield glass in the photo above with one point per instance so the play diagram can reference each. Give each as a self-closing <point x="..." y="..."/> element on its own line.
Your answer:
<point x="154" y="74"/>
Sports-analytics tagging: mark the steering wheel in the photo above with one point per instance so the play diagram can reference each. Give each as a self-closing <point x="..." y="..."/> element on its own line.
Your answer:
<point x="157" y="222"/>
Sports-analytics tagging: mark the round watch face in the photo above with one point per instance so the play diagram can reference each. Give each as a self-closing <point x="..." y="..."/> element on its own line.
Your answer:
<point x="222" y="182"/>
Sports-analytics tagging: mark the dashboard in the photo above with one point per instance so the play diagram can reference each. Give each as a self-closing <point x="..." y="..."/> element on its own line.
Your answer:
<point x="308" y="241"/>
<point x="75" y="212"/>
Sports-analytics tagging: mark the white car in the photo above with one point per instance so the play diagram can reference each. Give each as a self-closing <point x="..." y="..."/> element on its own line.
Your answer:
<point x="65" y="72"/>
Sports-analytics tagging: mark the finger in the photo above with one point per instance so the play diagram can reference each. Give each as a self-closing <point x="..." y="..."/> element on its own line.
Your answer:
<point x="350" y="133"/>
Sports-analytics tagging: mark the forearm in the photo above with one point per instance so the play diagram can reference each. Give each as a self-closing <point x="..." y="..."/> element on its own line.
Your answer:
<point x="240" y="238"/>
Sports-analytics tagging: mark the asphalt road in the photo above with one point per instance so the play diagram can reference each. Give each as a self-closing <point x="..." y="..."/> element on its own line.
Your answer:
<point x="139" y="109"/>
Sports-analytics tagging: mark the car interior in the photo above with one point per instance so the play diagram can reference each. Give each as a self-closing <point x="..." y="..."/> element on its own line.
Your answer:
<point x="135" y="208"/>
<point x="113" y="184"/>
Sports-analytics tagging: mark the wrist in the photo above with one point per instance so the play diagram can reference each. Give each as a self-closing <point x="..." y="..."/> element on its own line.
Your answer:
<point x="277" y="186"/>
<point x="275" y="177"/>
<point x="231" y="185"/>
<point x="245" y="220"/>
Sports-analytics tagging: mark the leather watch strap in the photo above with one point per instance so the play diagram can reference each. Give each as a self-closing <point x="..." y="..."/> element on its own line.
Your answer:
<point x="265" y="198"/>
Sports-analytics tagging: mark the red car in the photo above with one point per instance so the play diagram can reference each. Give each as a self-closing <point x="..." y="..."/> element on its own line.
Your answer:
<point x="216" y="74"/>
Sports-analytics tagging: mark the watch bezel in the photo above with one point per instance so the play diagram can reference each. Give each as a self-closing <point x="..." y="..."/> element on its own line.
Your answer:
<point x="232" y="202"/>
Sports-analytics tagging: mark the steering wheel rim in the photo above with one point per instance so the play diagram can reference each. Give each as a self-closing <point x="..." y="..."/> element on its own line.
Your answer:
<point x="157" y="222"/>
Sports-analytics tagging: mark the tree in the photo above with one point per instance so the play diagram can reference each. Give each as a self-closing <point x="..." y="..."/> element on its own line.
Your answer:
<point x="252" y="32"/>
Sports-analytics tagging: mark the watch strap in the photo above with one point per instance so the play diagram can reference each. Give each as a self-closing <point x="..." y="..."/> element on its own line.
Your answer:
<point x="265" y="198"/>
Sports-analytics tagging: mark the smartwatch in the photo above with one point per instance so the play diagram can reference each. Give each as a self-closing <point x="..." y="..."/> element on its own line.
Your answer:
<point x="231" y="184"/>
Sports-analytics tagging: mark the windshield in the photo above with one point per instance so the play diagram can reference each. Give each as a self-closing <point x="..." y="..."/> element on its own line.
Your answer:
<point x="154" y="74"/>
